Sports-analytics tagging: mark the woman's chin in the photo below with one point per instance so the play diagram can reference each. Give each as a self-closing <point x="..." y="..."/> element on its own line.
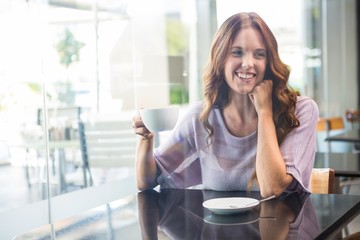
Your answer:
<point x="246" y="91"/>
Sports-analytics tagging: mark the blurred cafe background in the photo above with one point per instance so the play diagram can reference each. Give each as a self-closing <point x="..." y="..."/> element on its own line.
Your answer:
<point x="70" y="66"/>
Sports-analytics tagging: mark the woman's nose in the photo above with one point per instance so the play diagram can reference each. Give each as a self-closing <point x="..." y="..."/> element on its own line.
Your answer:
<point x="247" y="62"/>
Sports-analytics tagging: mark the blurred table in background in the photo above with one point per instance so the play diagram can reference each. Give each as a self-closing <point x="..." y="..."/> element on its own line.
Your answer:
<point x="35" y="167"/>
<point x="344" y="164"/>
<point x="351" y="136"/>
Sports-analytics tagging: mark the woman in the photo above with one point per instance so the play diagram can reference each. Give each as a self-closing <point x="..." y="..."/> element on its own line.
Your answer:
<point x="251" y="132"/>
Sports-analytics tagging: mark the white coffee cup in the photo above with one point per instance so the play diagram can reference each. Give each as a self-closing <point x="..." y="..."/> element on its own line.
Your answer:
<point x="160" y="119"/>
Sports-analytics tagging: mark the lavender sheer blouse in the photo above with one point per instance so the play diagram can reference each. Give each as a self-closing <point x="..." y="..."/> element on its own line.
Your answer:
<point x="185" y="159"/>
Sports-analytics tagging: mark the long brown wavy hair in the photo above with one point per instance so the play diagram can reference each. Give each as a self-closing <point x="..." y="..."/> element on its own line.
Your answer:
<point x="216" y="90"/>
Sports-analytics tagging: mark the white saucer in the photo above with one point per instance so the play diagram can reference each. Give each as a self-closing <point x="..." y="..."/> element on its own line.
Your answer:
<point x="230" y="205"/>
<point x="234" y="219"/>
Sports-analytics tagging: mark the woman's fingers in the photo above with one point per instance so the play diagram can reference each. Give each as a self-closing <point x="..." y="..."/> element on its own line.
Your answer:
<point x="137" y="122"/>
<point x="263" y="87"/>
<point x="140" y="128"/>
<point x="261" y="95"/>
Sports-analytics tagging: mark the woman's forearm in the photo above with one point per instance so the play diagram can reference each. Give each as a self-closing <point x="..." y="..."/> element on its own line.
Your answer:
<point x="145" y="164"/>
<point x="270" y="166"/>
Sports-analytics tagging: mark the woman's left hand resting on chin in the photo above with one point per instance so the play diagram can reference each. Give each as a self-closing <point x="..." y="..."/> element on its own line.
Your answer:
<point x="145" y="163"/>
<point x="261" y="97"/>
<point x="270" y="165"/>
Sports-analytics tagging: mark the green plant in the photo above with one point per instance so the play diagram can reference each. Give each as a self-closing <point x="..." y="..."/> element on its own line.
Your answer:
<point x="178" y="95"/>
<point x="176" y="37"/>
<point x="68" y="48"/>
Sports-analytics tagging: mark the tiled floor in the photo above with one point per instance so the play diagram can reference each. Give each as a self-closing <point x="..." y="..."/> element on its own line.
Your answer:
<point x="17" y="193"/>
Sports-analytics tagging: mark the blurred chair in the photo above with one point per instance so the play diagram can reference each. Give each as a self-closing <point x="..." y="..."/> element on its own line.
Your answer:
<point x="62" y="124"/>
<point x="336" y="123"/>
<point x="330" y="124"/>
<point x="353" y="236"/>
<point x="106" y="144"/>
<point x="321" y="134"/>
<point x="322" y="125"/>
<point x="353" y="117"/>
<point x="322" y="181"/>
<point x="329" y="127"/>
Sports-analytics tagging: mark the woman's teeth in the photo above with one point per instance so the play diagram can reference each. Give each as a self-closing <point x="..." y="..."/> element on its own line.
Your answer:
<point x="243" y="75"/>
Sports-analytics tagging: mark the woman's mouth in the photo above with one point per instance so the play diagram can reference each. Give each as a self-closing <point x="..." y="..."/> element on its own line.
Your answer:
<point x="245" y="76"/>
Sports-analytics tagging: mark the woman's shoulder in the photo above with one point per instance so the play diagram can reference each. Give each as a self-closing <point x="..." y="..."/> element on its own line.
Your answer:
<point x="306" y="102"/>
<point x="196" y="108"/>
<point x="307" y="106"/>
<point x="193" y="109"/>
<point x="191" y="112"/>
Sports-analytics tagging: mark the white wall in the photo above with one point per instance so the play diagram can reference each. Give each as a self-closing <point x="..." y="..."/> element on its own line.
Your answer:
<point x="340" y="86"/>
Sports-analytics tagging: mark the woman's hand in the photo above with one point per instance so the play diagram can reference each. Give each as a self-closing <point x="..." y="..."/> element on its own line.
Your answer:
<point x="146" y="170"/>
<point x="261" y="96"/>
<point x="140" y="128"/>
<point x="270" y="165"/>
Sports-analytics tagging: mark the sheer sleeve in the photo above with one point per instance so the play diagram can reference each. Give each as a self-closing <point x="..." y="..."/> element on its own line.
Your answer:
<point x="298" y="148"/>
<point x="178" y="157"/>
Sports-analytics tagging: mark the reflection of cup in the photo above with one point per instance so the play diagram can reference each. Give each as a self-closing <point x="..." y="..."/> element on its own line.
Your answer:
<point x="160" y="119"/>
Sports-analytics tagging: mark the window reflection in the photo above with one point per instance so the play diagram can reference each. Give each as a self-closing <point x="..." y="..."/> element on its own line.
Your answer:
<point x="92" y="59"/>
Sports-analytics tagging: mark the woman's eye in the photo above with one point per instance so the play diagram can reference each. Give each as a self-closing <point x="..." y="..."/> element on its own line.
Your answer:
<point x="259" y="54"/>
<point x="237" y="53"/>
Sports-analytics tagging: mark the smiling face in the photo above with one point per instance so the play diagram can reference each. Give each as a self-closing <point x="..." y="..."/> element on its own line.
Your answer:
<point x="246" y="63"/>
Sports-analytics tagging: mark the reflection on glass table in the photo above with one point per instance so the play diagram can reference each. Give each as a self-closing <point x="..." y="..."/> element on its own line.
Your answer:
<point x="178" y="214"/>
